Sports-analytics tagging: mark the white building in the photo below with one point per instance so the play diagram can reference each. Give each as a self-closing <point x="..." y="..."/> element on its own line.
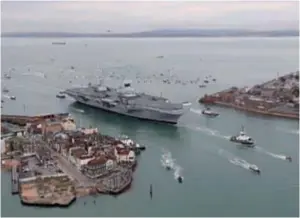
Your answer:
<point x="124" y="155"/>
<point x="89" y="131"/>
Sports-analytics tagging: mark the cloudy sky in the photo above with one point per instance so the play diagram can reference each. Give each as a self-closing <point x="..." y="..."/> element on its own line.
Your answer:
<point x="130" y="16"/>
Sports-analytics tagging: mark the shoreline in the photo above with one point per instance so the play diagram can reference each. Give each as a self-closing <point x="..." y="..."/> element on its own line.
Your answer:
<point x="259" y="112"/>
<point x="278" y="97"/>
<point x="48" y="205"/>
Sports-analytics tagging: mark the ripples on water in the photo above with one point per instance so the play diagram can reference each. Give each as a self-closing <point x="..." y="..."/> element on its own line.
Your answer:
<point x="291" y="131"/>
<point x="168" y="160"/>
<point x="216" y="133"/>
<point x="234" y="159"/>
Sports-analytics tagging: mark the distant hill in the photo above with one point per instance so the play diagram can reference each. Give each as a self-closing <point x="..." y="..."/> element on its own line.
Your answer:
<point x="164" y="33"/>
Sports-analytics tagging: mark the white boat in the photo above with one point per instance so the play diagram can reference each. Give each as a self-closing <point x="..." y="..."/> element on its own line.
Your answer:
<point x="254" y="168"/>
<point x="209" y="112"/>
<point x="243" y="139"/>
<point x="61" y="95"/>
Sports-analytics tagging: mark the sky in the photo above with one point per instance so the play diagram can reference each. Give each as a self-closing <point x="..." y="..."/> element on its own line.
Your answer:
<point x="134" y="16"/>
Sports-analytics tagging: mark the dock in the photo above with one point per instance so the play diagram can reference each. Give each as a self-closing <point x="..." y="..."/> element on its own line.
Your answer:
<point x="14" y="180"/>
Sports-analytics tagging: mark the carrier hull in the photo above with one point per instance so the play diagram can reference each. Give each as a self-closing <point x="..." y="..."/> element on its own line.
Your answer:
<point x="144" y="114"/>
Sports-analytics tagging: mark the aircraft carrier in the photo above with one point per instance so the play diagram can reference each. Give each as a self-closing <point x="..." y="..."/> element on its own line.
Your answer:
<point x="126" y="101"/>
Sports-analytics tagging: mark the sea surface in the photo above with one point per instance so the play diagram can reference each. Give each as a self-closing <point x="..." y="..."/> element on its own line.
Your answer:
<point x="216" y="183"/>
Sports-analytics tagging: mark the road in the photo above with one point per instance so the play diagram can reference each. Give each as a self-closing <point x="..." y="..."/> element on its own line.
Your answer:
<point x="69" y="169"/>
<point x="72" y="171"/>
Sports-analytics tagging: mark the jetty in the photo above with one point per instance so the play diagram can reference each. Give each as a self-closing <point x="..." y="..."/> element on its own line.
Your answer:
<point x="14" y="180"/>
<point x="278" y="97"/>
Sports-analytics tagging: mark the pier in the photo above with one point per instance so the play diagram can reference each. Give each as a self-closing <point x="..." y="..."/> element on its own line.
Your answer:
<point x="14" y="180"/>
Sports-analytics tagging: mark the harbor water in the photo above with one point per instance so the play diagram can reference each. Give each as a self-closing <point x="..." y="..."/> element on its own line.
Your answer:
<point x="217" y="181"/>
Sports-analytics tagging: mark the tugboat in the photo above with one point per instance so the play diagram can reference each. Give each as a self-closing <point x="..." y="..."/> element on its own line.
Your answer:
<point x="209" y="112"/>
<point x="254" y="168"/>
<point x="243" y="139"/>
<point x="61" y="95"/>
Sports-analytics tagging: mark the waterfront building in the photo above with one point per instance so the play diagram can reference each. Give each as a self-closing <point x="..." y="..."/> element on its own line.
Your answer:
<point x="89" y="131"/>
<point x="98" y="167"/>
<point x="124" y="155"/>
<point x="68" y="124"/>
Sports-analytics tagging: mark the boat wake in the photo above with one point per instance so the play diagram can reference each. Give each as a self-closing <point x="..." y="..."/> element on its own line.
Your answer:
<point x="6" y="96"/>
<point x="278" y="156"/>
<point x="196" y="111"/>
<point x="291" y="131"/>
<point x="166" y="160"/>
<point x="169" y="163"/>
<point x="235" y="160"/>
<point x="211" y="132"/>
<point x="37" y="74"/>
<point x="78" y="110"/>
<point x="178" y="172"/>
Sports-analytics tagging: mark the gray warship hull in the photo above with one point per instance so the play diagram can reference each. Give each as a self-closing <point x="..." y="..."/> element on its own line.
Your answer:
<point x="140" y="114"/>
<point x="139" y="111"/>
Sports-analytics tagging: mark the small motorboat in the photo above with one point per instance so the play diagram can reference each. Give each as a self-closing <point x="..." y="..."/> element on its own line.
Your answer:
<point x="214" y="80"/>
<point x="7" y="76"/>
<point x="254" y="168"/>
<point x="209" y="112"/>
<point x="140" y="147"/>
<point x="13" y="97"/>
<point x="5" y="90"/>
<point x="2" y="101"/>
<point x="180" y="179"/>
<point x="202" y="86"/>
<point x="289" y="158"/>
<point x="61" y="95"/>
<point x="243" y="139"/>
<point x="206" y="81"/>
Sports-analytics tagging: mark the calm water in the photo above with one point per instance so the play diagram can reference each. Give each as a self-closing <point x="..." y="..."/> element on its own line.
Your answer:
<point x="213" y="186"/>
